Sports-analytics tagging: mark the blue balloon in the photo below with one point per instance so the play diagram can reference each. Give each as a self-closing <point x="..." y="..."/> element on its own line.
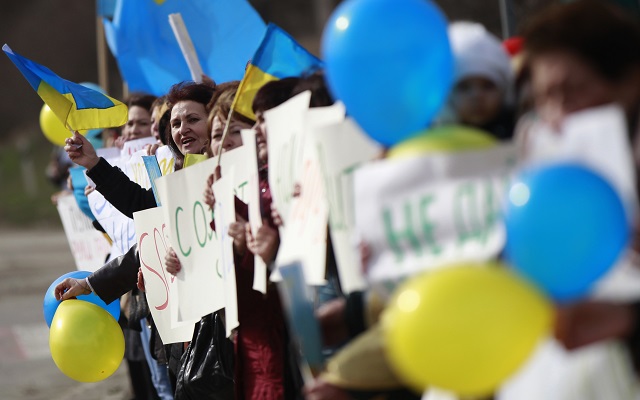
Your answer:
<point x="50" y="304"/>
<point x="566" y="227"/>
<point x="390" y="63"/>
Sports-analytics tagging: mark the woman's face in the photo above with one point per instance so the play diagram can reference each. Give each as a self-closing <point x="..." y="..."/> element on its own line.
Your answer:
<point x="155" y="118"/>
<point x="261" y="138"/>
<point x="189" y="127"/>
<point x="562" y="84"/>
<point x="233" y="139"/>
<point x="138" y="124"/>
<point x="476" y="101"/>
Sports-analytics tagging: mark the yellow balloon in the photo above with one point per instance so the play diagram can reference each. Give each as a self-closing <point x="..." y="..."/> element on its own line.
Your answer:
<point x="444" y="139"/>
<point x="52" y="127"/>
<point x="464" y="328"/>
<point x="86" y="343"/>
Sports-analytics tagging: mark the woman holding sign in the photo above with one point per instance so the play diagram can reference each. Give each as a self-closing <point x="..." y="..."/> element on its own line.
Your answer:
<point x="189" y="134"/>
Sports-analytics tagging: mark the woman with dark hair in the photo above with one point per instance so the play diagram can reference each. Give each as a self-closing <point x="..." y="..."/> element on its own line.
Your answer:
<point x="221" y="106"/>
<point x="138" y="124"/>
<point x="158" y="109"/>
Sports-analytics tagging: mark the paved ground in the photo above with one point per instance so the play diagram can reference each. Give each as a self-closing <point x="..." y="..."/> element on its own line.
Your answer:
<point x="29" y="262"/>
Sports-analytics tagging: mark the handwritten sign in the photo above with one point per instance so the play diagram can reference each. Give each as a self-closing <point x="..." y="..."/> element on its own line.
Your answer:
<point x="305" y="237"/>
<point x="225" y="214"/>
<point x="88" y="246"/>
<point x="253" y="198"/>
<point x="200" y="281"/>
<point x="342" y="149"/>
<point x="160" y="286"/>
<point x="136" y="170"/>
<point x="133" y="146"/>
<point x="285" y="127"/>
<point x="166" y="160"/>
<point x="424" y="213"/>
<point x="118" y="226"/>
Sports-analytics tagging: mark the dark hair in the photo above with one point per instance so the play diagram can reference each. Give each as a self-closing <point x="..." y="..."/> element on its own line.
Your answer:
<point x="159" y="102"/>
<point x="221" y="102"/>
<point x="601" y="34"/>
<point x="190" y="91"/>
<point x="274" y="93"/>
<point x="164" y="128"/>
<point x="185" y="91"/>
<point x="143" y="100"/>
<point x="320" y="96"/>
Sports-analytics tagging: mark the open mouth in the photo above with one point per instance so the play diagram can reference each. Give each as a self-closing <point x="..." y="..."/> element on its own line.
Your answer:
<point x="187" y="140"/>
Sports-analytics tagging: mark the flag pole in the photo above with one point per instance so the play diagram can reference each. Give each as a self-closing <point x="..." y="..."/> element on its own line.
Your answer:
<point x="101" y="47"/>
<point x="507" y="18"/>
<point x="224" y="134"/>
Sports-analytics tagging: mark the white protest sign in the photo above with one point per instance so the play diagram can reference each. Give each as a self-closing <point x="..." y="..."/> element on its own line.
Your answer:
<point x="305" y="236"/>
<point x="88" y="246"/>
<point x="253" y="198"/>
<point x="133" y="146"/>
<point x="285" y="127"/>
<point x="108" y="153"/>
<point x="305" y="228"/>
<point x="424" y="213"/>
<point x="200" y="285"/>
<point x="225" y="214"/>
<point x="342" y="148"/>
<point x="596" y="137"/>
<point x="166" y="160"/>
<point x="118" y="226"/>
<point x="135" y="169"/>
<point x="200" y="282"/>
<point x="160" y="286"/>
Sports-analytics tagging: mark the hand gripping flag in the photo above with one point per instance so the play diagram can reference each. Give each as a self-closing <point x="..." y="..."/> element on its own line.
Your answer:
<point x="279" y="56"/>
<point x="77" y="106"/>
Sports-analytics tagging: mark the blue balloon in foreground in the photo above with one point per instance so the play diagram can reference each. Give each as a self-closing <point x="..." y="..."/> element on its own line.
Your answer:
<point x="390" y="63"/>
<point x="566" y="227"/>
<point x="50" y="304"/>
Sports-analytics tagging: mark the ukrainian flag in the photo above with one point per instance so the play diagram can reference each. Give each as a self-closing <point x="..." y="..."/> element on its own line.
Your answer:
<point x="78" y="107"/>
<point x="279" y="56"/>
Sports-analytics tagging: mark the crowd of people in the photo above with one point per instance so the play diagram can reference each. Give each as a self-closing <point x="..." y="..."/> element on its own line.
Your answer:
<point x="574" y="57"/>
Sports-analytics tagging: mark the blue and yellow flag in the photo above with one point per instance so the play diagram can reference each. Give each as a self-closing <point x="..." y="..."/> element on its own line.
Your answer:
<point x="225" y="33"/>
<point x="77" y="106"/>
<point x="279" y="56"/>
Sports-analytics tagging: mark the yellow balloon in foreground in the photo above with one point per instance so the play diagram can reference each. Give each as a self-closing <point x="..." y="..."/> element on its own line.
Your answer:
<point x="443" y="139"/>
<point x="463" y="328"/>
<point x="86" y="343"/>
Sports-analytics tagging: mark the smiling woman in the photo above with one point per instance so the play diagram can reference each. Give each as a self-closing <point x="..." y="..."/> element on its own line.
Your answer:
<point x="189" y="133"/>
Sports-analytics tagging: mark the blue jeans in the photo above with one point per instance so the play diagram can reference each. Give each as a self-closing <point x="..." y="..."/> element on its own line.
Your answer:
<point x="159" y="373"/>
